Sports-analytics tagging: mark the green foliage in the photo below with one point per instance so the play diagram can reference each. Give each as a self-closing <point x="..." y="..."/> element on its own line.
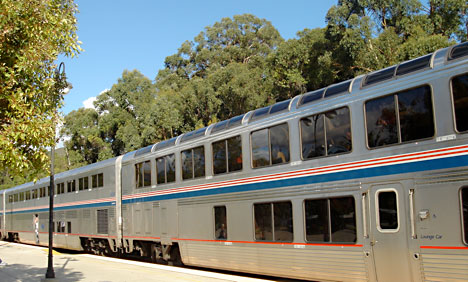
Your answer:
<point x="33" y="34"/>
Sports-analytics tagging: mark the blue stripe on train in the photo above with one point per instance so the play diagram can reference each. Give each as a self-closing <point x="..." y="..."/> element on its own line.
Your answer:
<point x="419" y="166"/>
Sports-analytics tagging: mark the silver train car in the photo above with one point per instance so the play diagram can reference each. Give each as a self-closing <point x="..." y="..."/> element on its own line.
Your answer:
<point x="365" y="180"/>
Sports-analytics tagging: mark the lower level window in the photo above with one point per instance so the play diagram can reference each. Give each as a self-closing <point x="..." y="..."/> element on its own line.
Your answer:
<point x="273" y="221"/>
<point x="330" y="220"/>
<point x="464" y="206"/>
<point x="220" y="222"/>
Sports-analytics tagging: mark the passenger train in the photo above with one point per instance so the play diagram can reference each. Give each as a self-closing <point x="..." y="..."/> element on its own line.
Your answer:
<point x="364" y="180"/>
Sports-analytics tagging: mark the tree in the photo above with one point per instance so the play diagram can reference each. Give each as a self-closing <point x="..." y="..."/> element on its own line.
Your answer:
<point x="33" y="34"/>
<point x="222" y="73"/>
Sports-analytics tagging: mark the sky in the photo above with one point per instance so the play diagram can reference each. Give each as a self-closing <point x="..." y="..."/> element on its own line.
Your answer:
<point x="120" y="35"/>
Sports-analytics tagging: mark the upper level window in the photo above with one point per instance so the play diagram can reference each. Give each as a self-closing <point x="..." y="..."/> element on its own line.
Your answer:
<point x="273" y="221"/>
<point x="83" y="183"/>
<point x="193" y="163"/>
<point x="227" y="155"/>
<point x="142" y="174"/>
<point x="60" y="188"/>
<point x="97" y="180"/>
<point x="401" y="117"/>
<point x="330" y="220"/>
<point x="270" y="146"/>
<point x="326" y="134"/>
<point x="42" y="192"/>
<point x="28" y="195"/>
<point x="165" y="169"/>
<point x="71" y="186"/>
<point x="460" y="101"/>
<point x="35" y="194"/>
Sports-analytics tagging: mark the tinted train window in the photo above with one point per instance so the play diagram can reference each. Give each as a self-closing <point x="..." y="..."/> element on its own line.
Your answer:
<point x="193" y="163"/>
<point x="460" y="100"/>
<point x="220" y="222"/>
<point x="98" y="179"/>
<point x="83" y="183"/>
<point x="142" y="174"/>
<point x="71" y="186"/>
<point x="464" y="206"/>
<point x="326" y="134"/>
<point x="270" y="146"/>
<point x="165" y="169"/>
<point x="227" y="155"/>
<point x="402" y="117"/>
<point x="60" y="188"/>
<point x="387" y="210"/>
<point x="273" y="221"/>
<point x="35" y="194"/>
<point x="21" y="196"/>
<point x="330" y="220"/>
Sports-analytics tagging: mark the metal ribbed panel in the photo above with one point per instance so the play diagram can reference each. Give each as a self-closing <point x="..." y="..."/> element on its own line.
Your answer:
<point x="102" y="222"/>
<point x="339" y="265"/>
<point x="71" y="214"/>
<point x="87" y="213"/>
<point x="445" y="267"/>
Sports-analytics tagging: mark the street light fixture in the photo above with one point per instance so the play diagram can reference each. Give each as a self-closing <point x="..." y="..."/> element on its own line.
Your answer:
<point x="62" y="89"/>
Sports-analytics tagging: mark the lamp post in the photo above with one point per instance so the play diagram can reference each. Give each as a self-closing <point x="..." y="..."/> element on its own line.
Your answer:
<point x="63" y="89"/>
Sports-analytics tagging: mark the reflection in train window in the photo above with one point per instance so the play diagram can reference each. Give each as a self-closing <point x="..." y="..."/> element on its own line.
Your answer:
<point x="227" y="155"/>
<point x="330" y="220"/>
<point x="142" y="175"/>
<point x="326" y="134"/>
<point x="387" y="210"/>
<point x="98" y="179"/>
<point x="83" y="183"/>
<point x="193" y="163"/>
<point x="165" y="169"/>
<point x="464" y="206"/>
<point x="273" y="221"/>
<point x="270" y="146"/>
<point x="71" y="186"/>
<point x="220" y="222"/>
<point x="402" y="117"/>
<point x="460" y="100"/>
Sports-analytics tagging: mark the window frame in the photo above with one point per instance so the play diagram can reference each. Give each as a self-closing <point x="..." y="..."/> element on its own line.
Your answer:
<point x="214" y="222"/>
<point x="226" y="147"/>
<point x="99" y="176"/>
<point x="165" y="157"/>
<point x="452" y="98"/>
<point x="329" y="218"/>
<point x="400" y="142"/>
<point x="192" y="149"/>
<point x="325" y="133"/>
<point x="270" y="150"/>
<point x="272" y="221"/>
<point x="463" y="220"/>
<point x="377" y="209"/>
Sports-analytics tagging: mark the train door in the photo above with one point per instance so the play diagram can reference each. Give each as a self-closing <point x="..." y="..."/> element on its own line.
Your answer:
<point x="388" y="233"/>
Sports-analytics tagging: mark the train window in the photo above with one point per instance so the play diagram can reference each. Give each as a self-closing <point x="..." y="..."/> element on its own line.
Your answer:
<point x="165" y="169"/>
<point x="142" y="174"/>
<point x="71" y="186"/>
<point x="464" y="206"/>
<point x="402" y="117"/>
<point x="330" y="220"/>
<point x="193" y="163"/>
<point x="220" y="222"/>
<point x="69" y="227"/>
<point x="28" y="195"/>
<point x="460" y="101"/>
<point x="227" y="155"/>
<point x="273" y="221"/>
<point x="270" y="146"/>
<point x="35" y="194"/>
<point x="21" y="196"/>
<point x="98" y="180"/>
<point x="387" y="210"/>
<point x="10" y="198"/>
<point x="42" y="192"/>
<point x="60" y="188"/>
<point x="326" y="134"/>
<point x="83" y="183"/>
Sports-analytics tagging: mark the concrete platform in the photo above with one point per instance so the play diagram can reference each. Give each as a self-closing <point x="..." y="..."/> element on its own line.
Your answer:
<point x="29" y="263"/>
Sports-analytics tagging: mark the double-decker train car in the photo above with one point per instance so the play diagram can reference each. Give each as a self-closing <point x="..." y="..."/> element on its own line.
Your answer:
<point x="364" y="180"/>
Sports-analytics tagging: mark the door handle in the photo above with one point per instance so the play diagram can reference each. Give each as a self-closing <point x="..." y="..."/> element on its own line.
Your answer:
<point x="372" y="243"/>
